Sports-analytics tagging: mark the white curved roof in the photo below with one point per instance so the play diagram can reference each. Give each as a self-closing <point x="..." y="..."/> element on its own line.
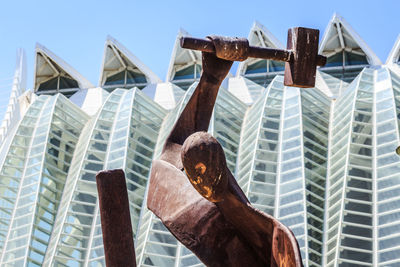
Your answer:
<point x="165" y="94"/>
<point x="48" y="66"/>
<point x="339" y="36"/>
<point x="181" y="58"/>
<point x="89" y="100"/>
<point x="117" y="57"/>
<point x="394" y="54"/>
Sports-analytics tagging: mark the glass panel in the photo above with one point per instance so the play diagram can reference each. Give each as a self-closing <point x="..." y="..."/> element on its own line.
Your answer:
<point x="186" y="73"/>
<point x="257" y="67"/>
<point x="116" y="79"/>
<point x="68" y="83"/>
<point x="135" y="77"/>
<point x="51" y="84"/>
<point x="355" y="59"/>
<point x="335" y="61"/>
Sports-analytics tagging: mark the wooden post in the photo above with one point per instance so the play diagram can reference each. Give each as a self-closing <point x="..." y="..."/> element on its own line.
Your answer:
<point x="115" y="219"/>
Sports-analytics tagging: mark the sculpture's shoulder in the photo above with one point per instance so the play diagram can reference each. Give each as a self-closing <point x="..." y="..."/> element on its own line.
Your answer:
<point x="170" y="192"/>
<point x="195" y="221"/>
<point x="285" y="248"/>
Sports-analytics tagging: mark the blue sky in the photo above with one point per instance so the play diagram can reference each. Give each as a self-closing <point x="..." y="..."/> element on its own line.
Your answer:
<point x="76" y="30"/>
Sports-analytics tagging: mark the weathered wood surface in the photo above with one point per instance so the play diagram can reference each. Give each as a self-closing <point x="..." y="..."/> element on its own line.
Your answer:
<point x="301" y="69"/>
<point x="115" y="217"/>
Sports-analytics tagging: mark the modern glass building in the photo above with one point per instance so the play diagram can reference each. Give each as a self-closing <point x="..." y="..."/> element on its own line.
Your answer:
<point x="321" y="160"/>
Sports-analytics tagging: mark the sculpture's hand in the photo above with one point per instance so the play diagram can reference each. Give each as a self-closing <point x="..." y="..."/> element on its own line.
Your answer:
<point x="227" y="50"/>
<point x="215" y="67"/>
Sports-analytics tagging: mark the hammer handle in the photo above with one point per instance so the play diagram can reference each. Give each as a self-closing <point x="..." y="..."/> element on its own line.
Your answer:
<point x="206" y="45"/>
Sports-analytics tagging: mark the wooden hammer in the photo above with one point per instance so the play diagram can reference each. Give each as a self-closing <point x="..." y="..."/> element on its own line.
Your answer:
<point x="301" y="56"/>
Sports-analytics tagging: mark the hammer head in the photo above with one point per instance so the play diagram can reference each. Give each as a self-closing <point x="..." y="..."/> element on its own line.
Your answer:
<point x="301" y="69"/>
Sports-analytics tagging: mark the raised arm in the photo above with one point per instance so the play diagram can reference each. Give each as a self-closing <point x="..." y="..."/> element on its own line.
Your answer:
<point x="197" y="113"/>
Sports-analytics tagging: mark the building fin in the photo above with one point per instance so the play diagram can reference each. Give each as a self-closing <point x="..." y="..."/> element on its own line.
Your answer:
<point x="344" y="47"/>
<point x="394" y="55"/>
<point x="12" y="113"/>
<point x="21" y="70"/>
<point x="393" y="60"/>
<point x="54" y="75"/>
<point x="120" y="68"/>
<point x="185" y="64"/>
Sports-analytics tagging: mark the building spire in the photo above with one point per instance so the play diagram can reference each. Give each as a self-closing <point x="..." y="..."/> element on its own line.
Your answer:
<point x="120" y="68"/>
<point x="53" y="75"/>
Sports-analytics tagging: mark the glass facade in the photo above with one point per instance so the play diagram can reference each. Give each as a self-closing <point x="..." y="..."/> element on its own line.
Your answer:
<point x="282" y="160"/>
<point x="362" y="177"/>
<point x="322" y="160"/>
<point x="42" y="169"/>
<point x="122" y="135"/>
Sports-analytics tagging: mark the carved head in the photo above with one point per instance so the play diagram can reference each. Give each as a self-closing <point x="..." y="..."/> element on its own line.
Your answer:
<point x="204" y="161"/>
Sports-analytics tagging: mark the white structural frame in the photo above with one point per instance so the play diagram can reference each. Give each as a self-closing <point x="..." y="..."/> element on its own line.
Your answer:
<point x="194" y="55"/>
<point x="338" y="20"/>
<point x="116" y="46"/>
<point x="12" y="114"/>
<point x="394" y="53"/>
<point x="47" y="54"/>
<point x="393" y="58"/>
